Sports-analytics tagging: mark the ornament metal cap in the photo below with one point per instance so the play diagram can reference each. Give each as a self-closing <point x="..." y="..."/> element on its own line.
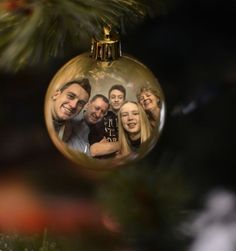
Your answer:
<point x="107" y="49"/>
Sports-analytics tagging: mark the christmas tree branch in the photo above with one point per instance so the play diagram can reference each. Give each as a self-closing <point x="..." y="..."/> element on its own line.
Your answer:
<point x="33" y="31"/>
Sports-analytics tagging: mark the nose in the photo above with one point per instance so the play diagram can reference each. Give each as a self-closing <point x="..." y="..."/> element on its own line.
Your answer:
<point x="98" y="113"/>
<point x="73" y="104"/>
<point x="130" y="117"/>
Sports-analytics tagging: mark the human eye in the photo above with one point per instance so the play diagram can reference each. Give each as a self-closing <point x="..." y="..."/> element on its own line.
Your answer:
<point x="135" y="113"/>
<point x="141" y="98"/>
<point x="81" y="103"/>
<point x="124" y="114"/>
<point x="70" y="96"/>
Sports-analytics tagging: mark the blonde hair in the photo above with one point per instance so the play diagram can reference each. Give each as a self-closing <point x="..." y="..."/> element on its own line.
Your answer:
<point x="145" y="132"/>
<point x="154" y="91"/>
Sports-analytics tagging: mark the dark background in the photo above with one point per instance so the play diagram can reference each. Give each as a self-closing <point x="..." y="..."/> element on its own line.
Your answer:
<point x="192" y="51"/>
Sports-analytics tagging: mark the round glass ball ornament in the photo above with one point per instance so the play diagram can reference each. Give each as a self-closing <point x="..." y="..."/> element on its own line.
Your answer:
<point x="104" y="109"/>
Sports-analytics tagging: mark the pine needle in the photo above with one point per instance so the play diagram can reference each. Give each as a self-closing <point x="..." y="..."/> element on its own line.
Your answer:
<point x="41" y="29"/>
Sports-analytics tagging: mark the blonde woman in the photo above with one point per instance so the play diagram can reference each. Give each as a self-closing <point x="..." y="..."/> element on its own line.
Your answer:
<point x="149" y="99"/>
<point x="134" y="127"/>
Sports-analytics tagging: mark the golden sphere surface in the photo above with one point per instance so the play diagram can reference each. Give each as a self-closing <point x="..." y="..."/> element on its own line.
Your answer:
<point x="126" y="71"/>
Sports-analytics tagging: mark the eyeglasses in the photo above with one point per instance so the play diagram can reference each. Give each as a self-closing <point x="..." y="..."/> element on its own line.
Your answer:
<point x="98" y="108"/>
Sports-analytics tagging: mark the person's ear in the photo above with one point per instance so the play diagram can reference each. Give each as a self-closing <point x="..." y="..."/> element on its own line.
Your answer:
<point x="86" y="105"/>
<point x="57" y="93"/>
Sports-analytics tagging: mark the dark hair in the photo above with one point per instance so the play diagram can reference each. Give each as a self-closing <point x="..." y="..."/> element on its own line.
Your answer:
<point x="105" y="99"/>
<point x="83" y="82"/>
<point x="117" y="87"/>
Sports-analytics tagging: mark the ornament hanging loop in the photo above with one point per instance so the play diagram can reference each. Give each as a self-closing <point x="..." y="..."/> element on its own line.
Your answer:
<point x="107" y="49"/>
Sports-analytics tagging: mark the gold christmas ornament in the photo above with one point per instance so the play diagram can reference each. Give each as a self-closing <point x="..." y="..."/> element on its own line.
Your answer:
<point x="104" y="109"/>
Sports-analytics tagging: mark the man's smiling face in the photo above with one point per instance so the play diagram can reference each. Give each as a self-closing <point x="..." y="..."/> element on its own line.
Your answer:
<point x="69" y="102"/>
<point x="95" y="111"/>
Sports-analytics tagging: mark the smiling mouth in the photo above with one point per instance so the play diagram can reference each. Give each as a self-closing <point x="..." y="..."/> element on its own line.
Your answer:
<point x="131" y="125"/>
<point x="94" y="118"/>
<point x="147" y="102"/>
<point x="68" y="111"/>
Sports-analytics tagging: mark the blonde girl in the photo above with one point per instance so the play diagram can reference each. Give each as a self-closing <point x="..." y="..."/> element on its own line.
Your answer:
<point x="134" y="127"/>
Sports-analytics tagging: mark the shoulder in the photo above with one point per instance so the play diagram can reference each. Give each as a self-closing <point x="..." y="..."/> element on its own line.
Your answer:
<point x="77" y="123"/>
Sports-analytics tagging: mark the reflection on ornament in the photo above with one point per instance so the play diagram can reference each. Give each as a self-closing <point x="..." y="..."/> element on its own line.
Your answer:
<point x="104" y="109"/>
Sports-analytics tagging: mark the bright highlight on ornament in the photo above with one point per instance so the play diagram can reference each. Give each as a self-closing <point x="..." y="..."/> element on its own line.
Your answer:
<point x="104" y="109"/>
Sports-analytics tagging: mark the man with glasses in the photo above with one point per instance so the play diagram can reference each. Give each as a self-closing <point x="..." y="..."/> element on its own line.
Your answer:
<point x="108" y="127"/>
<point x="94" y="112"/>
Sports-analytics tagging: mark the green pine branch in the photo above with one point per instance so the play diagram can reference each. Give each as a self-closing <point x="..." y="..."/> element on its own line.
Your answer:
<point x="38" y="30"/>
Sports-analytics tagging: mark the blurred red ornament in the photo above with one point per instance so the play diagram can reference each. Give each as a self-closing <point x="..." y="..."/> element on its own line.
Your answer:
<point x="19" y="209"/>
<point x="23" y="210"/>
<point x="21" y="6"/>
